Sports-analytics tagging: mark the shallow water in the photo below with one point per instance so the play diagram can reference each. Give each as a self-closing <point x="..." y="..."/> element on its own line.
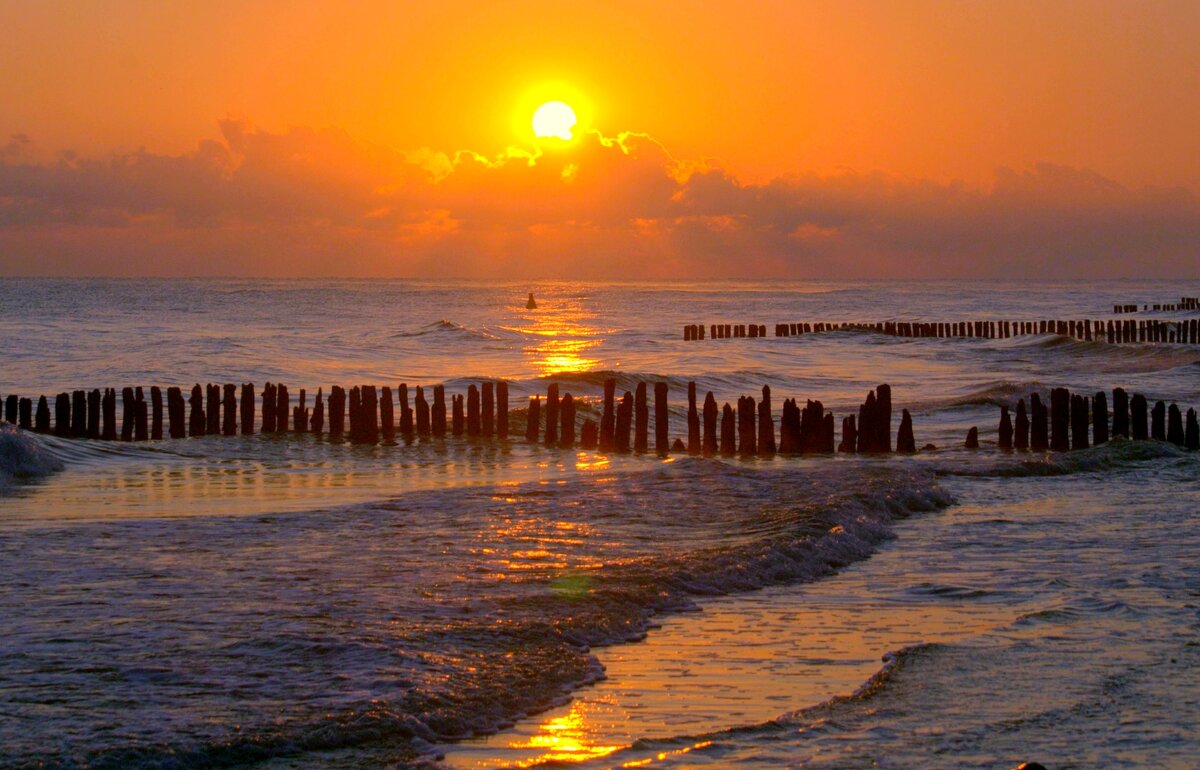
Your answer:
<point x="293" y="603"/>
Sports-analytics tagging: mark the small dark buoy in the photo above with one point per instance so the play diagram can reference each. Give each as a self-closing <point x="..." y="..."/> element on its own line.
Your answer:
<point x="531" y="304"/>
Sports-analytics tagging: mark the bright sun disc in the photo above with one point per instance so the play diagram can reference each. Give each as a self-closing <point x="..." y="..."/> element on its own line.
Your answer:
<point x="554" y="119"/>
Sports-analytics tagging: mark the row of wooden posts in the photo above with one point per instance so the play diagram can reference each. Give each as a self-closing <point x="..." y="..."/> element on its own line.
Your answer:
<point x="1064" y="425"/>
<point x="1185" y="303"/>
<point x="482" y="412"/>
<point x="1184" y="331"/>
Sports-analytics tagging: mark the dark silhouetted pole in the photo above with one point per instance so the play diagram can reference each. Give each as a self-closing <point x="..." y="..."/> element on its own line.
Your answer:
<point x="728" y="431"/>
<point x="1175" y="426"/>
<point x="661" y="419"/>
<point x="1060" y="419"/>
<point x="624" y="422"/>
<point x="1137" y="411"/>
<point x="62" y="414"/>
<point x="1158" y="421"/>
<point x="473" y="426"/>
<point x="489" y="409"/>
<point x="608" y="422"/>
<point x="318" y="413"/>
<point x="589" y="434"/>
<point x="406" y="415"/>
<point x="387" y="413"/>
<point x="567" y="410"/>
<point x="439" y="411"/>
<point x="766" y="425"/>
<point x="906" y="442"/>
<point x="422" y="407"/>
<point x="228" y="405"/>
<point x="93" y="410"/>
<point x="710" y="424"/>
<point x="502" y="409"/>
<point x="972" y="441"/>
<point x="458" y="417"/>
<point x="1100" y="418"/>
<point x="531" y="423"/>
<point x="248" y="409"/>
<point x="641" y="419"/>
<point x="693" y="422"/>
<point x="551" y="436"/>
<point x="1006" y="429"/>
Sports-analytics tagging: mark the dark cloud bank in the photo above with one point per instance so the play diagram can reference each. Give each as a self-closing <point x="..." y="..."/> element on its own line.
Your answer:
<point x="307" y="202"/>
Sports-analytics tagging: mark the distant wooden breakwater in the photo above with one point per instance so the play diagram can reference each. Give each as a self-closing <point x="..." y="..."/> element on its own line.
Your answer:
<point x="367" y="415"/>
<point x="1064" y="423"/>
<point x="1182" y="331"/>
<point x="1185" y="303"/>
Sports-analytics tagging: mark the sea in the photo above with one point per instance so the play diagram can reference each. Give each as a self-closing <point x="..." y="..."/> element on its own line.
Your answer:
<point x="280" y="602"/>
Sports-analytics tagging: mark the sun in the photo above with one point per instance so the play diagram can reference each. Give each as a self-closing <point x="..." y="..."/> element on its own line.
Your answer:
<point x="554" y="119"/>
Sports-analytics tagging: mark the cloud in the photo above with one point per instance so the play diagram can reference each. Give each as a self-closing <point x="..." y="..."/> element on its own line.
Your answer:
<point x="317" y="202"/>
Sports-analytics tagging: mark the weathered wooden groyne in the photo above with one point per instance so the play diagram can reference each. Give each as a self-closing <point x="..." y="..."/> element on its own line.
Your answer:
<point x="368" y="415"/>
<point x="1185" y="303"/>
<point x="1181" y="331"/>
<point x="1065" y="424"/>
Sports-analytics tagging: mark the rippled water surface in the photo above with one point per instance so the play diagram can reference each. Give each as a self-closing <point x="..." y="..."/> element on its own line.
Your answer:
<point x="288" y="602"/>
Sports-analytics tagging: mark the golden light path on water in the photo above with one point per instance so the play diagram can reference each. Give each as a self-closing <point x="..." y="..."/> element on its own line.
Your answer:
<point x="562" y="333"/>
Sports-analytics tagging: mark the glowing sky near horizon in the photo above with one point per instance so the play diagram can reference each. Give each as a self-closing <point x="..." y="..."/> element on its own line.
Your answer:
<point x="1077" y="98"/>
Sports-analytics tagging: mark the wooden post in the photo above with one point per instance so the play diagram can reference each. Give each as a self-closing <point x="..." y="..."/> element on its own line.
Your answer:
<point x="534" y="417"/>
<point x="551" y="435"/>
<point x="300" y="413"/>
<point x="62" y="414"/>
<point x="1137" y="409"/>
<point x="883" y="406"/>
<point x="693" y="422"/>
<point x="175" y="414"/>
<point x="1060" y="419"/>
<point x="42" y="421"/>
<point x="1175" y="426"/>
<point x="849" y="431"/>
<point x="268" y="408"/>
<point x="196" y="421"/>
<point x="406" y="415"/>
<point x="1192" y="433"/>
<point x="589" y="435"/>
<point x="1022" y="434"/>
<point x="1079" y="422"/>
<point x="972" y="441"/>
<point x="422" y="408"/>
<point x="457" y="418"/>
<point x="1100" y="418"/>
<point x="1006" y="429"/>
<point x="78" y="413"/>
<point x="337" y="412"/>
<point x="1120" y="417"/>
<point x="11" y="407"/>
<point x="369" y="414"/>
<point x="282" y="408"/>
<point x="489" y="409"/>
<point x="212" y="413"/>
<point x="155" y="416"/>
<point x="710" y="424"/>
<point x="789" y="428"/>
<point x="93" y="410"/>
<point x="567" y="408"/>
<point x="228" y="404"/>
<point x="608" y="417"/>
<point x="641" y="419"/>
<point x="624" y="422"/>
<point x="747" y="432"/>
<point x="439" y="411"/>
<point x="766" y="424"/>
<point x="128" y="415"/>
<point x="1158" y="421"/>
<point x="318" y="414"/>
<point x="661" y="419"/>
<point x="728" y="431"/>
<point x="502" y="409"/>
<point x="247" y="410"/>
<point x="25" y="413"/>
<point x="472" y="411"/>
<point x="141" y="428"/>
<point x="355" y="413"/>
<point x="868" y="433"/>
<point x="1039" y="429"/>
<point x="387" y="413"/>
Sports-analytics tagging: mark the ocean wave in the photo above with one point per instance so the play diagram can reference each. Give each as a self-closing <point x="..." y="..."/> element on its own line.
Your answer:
<point x="23" y="457"/>
<point x="446" y="329"/>
<point x="1117" y="454"/>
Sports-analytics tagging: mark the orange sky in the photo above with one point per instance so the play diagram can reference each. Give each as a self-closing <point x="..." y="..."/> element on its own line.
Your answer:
<point x="869" y="113"/>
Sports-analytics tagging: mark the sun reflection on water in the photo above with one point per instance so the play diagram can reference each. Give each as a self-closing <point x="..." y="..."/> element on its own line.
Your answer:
<point x="567" y="738"/>
<point x="562" y="335"/>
